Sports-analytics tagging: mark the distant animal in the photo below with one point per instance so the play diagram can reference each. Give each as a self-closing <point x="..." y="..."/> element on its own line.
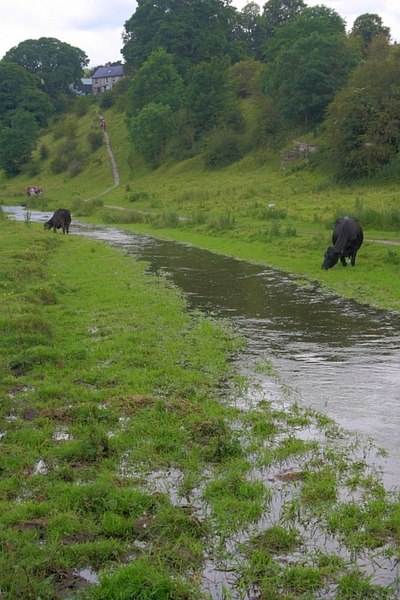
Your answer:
<point x="61" y="219"/>
<point x="34" y="190"/>
<point x="347" y="238"/>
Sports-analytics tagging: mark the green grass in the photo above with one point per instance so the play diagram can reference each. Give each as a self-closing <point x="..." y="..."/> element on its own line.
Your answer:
<point x="118" y="457"/>
<point x="227" y="210"/>
<point x="117" y="454"/>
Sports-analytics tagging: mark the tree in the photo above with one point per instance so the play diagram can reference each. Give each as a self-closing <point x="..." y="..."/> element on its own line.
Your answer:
<point x="249" y="29"/>
<point x="304" y="78"/>
<point x="277" y="13"/>
<point x="151" y="130"/>
<point x="56" y="63"/>
<point x="317" y="19"/>
<point x="191" y="30"/>
<point x="156" y="81"/>
<point x="363" y="121"/>
<point x="367" y="27"/>
<point x="17" y="142"/>
<point x="20" y="89"/>
<point x="209" y="100"/>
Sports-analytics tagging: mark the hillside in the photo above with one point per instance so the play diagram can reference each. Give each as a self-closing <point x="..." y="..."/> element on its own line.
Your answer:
<point x="227" y="210"/>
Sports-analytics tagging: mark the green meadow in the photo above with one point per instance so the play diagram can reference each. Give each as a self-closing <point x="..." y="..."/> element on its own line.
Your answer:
<point x="229" y="210"/>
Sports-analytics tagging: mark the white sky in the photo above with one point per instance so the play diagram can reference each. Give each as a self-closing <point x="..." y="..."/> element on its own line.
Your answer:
<point x="96" y="26"/>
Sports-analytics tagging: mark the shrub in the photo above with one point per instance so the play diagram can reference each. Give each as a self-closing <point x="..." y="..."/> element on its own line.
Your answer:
<point x="75" y="166"/>
<point x="140" y="196"/>
<point x="94" y="140"/>
<point x="106" y="100"/>
<point x="84" y="209"/>
<point x="43" y="152"/>
<point x="224" y="148"/>
<point x="122" y="216"/>
<point x="58" y="165"/>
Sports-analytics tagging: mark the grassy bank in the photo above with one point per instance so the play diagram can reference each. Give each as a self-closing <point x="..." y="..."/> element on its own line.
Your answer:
<point x="228" y="210"/>
<point x="126" y="474"/>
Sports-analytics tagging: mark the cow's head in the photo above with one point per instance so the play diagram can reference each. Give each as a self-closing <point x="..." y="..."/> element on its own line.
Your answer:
<point x="48" y="225"/>
<point x="330" y="259"/>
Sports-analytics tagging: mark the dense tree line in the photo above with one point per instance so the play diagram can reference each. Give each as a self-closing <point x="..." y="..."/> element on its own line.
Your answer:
<point x="190" y="64"/>
<point x="192" y="61"/>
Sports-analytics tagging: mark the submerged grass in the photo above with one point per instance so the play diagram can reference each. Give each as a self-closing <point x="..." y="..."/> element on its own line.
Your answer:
<point x="124" y="475"/>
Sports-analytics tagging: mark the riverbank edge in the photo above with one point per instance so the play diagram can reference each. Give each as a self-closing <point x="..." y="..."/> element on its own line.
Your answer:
<point x="377" y="286"/>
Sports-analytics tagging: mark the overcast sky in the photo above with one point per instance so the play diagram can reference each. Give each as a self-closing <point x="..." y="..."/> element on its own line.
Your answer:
<point x="96" y="26"/>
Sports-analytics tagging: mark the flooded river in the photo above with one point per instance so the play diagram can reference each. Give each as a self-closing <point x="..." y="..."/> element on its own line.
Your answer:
<point x="334" y="355"/>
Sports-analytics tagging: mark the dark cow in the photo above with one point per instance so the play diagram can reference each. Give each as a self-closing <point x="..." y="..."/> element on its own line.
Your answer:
<point x="60" y="220"/>
<point x="347" y="237"/>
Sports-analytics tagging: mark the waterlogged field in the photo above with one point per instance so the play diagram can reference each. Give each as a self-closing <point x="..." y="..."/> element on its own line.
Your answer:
<point x="127" y="474"/>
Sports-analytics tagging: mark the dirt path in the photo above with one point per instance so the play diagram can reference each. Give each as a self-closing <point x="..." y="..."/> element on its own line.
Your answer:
<point x="114" y="166"/>
<point x="386" y="242"/>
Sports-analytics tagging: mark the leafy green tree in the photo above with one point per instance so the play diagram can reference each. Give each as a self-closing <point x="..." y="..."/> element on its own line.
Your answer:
<point x="304" y="78"/>
<point x="151" y="130"/>
<point x="245" y="77"/>
<point x="156" y="81"/>
<point x="17" y="142"/>
<point x="21" y="90"/>
<point x="367" y="27"/>
<point x="249" y="29"/>
<point x="56" y="63"/>
<point x="209" y="100"/>
<point x="317" y="19"/>
<point x="277" y="13"/>
<point x="191" y="30"/>
<point x="363" y="121"/>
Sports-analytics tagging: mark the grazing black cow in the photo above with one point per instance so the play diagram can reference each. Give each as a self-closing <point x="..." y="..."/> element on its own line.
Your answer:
<point x="60" y="220"/>
<point x="347" y="237"/>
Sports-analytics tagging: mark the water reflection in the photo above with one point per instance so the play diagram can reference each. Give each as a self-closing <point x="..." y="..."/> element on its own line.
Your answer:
<point x="337" y="356"/>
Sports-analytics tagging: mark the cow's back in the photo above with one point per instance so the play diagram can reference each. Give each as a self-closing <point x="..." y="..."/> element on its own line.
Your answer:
<point x="347" y="232"/>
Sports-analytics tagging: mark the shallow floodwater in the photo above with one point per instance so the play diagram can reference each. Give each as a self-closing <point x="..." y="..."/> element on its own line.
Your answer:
<point x="336" y="356"/>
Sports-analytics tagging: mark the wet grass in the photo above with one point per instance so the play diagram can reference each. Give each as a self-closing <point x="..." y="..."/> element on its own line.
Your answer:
<point x="125" y="474"/>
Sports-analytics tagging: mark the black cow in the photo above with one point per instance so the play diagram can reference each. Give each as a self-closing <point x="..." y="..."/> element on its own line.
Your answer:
<point x="347" y="237"/>
<point x="60" y="220"/>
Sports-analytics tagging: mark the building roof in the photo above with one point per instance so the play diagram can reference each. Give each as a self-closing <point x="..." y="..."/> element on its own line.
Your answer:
<point x="108" y="71"/>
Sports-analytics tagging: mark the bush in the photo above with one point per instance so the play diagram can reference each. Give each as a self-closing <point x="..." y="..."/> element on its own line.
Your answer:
<point x="106" y="100"/>
<point x="224" y="148"/>
<point x="84" y="209"/>
<point x="122" y="216"/>
<point x="75" y="166"/>
<point x="82" y="105"/>
<point x="43" y="152"/>
<point x="95" y="140"/>
<point x="58" y="165"/>
<point x="134" y="196"/>
<point x="31" y="168"/>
